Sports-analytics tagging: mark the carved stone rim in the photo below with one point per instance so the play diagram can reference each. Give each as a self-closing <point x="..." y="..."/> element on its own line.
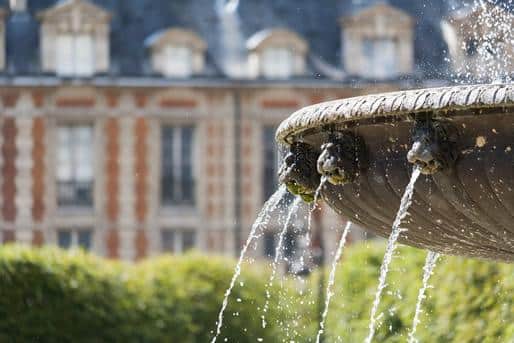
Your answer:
<point x="447" y="101"/>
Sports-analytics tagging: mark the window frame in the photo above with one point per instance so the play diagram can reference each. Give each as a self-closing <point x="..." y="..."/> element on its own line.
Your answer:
<point x="88" y="204"/>
<point x="375" y="57"/>
<point x="275" y="66"/>
<point x="75" y="67"/>
<point x="177" y="153"/>
<point x="74" y="236"/>
<point x="178" y="244"/>
<point x="269" y="168"/>
<point x="174" y="70"/>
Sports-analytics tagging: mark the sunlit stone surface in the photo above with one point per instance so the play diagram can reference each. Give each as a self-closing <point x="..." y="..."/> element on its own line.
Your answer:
<point x="464" y="202"/>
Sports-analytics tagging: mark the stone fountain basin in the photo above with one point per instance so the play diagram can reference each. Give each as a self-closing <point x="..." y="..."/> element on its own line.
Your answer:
<point x="467" y="209"/>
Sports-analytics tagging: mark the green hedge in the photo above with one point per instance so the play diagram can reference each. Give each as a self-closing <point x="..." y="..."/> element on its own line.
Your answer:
<point x="47" y="295"/>
<point x="50" y="295"/>
<point x="471" y="300"/>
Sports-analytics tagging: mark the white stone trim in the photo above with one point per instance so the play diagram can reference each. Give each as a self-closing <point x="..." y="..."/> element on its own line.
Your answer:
<point x="23" y="179"/>
<point x="126" y="180"/>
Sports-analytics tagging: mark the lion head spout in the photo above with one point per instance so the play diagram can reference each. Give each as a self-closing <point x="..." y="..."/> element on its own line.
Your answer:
<point x="343" y="158"/>
<point x="298" y="171"/>
<point x="434" y="146"/>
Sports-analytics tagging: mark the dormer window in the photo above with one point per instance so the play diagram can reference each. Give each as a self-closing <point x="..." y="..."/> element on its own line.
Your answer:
<point x="378" y="42"/>
<point x="74" y="39"/>
<point x="276" y="54"/>
<point x="176" y="53"/>
<point x="277" y="62"/>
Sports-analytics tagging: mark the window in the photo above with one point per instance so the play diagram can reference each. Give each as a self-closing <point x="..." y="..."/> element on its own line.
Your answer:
<point x="277" y="62"/>
<point x="75" y="165"/>
<point x="270" y="168"/>
<point x="177" y="180"/>
<point x="471" y="47"/>
<point x="68" y="239"/>
<point x="276" y="54"/>
<point x="176" y="52"/>
<point x="8" y="236"/>
<point x="178" y="61"/>
<point x="177" y="241"/>
<point x="290" y="244"/>
<point x="75" y="55"/>
<point x="74" y="38"/>
<point x="289" y="248"/>
<point x="380" y="57"/>
<point x="269" y="244"/>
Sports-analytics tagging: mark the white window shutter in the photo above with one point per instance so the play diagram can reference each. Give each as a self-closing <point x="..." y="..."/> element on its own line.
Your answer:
<point x="84" y="61"/>
<point x="65" y="55"/>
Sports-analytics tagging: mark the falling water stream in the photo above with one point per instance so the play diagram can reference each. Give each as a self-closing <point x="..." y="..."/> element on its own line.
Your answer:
<point x="278" y="251"/>
<point x="331" y="279"/>
<point x="313" y="207"/>
<point x="428" y="269"/>
<point x="262" y="219"/>
<point x="391" y="246"/>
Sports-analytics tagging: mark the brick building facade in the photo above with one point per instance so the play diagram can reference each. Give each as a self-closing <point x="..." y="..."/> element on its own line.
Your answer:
<point x="136" y="127"/>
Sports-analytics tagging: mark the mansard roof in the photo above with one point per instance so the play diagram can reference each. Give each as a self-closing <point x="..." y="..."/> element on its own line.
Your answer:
<point x="316" y="22"/>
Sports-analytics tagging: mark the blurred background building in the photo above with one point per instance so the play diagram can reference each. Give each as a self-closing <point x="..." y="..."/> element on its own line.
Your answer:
<point x="135" y="127"/>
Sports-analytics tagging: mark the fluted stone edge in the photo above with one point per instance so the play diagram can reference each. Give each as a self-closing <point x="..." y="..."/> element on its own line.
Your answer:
<point x="396" y="104"/>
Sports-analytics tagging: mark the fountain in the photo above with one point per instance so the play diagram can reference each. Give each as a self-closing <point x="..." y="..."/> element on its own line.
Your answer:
<point x="459" y="138"/>
<point x="429" y="168"/>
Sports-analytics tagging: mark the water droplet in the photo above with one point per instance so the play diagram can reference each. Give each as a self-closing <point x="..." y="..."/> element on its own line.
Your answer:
<point x="480" y="141"/>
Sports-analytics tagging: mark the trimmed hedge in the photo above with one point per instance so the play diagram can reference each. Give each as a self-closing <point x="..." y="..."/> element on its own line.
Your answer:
<point x="48" y="295"/>
<point x="470" y="300"/>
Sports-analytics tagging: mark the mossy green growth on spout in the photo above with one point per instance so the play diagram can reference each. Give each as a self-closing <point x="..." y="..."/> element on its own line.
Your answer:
<point x="298" y="171"/>
<point x="299" y="190"/>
